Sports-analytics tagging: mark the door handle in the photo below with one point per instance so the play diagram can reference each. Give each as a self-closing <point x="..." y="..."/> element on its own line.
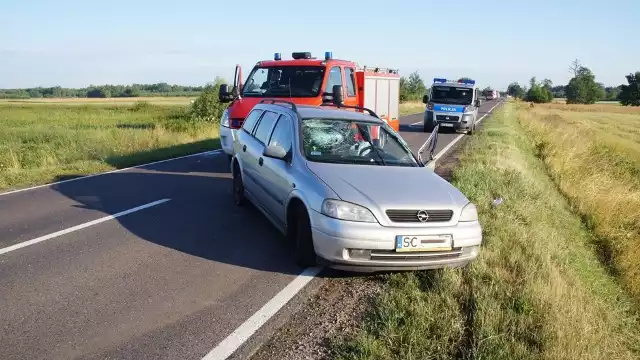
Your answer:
<point x="260" y="161"/>
<point x="244" y="147"/>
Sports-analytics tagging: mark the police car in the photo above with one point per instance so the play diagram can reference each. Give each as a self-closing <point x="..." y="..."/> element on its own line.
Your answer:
<point x="452" y="104"/>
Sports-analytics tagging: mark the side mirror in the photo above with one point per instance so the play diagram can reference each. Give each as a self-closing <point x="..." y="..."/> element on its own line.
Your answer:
<point x="478" y="102"/>
<point x="223" y="93"/>
<point x="429" y="147"/>
<point x="337" y="95"/>
<point x="275" y="152"/>
<point x="425" y="99"/>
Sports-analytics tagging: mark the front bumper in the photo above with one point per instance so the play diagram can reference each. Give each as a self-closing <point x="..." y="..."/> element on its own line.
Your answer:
<point x="335" y="241"/>
<point x="463" y="124"/>
<point x="227" y="137"/>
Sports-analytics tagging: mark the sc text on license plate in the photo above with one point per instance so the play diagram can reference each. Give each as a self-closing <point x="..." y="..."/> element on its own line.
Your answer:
<point x="423" y="242"/>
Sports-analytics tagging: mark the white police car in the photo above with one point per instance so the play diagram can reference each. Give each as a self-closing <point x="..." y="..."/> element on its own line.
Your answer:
<point x="452" y="104"/>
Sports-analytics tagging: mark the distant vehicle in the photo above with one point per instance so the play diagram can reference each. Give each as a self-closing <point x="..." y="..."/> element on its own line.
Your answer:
<point x="493" y="94"/>
<point x="312" y="81"/>
<point x="452" y="104"/>
<point x="317" y="174"/>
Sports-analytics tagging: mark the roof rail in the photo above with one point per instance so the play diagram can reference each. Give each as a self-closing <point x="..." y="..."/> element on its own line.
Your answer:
<point x="352" y="107"/>
<point x="274" y="101"/>
<point x="380" y="70"/>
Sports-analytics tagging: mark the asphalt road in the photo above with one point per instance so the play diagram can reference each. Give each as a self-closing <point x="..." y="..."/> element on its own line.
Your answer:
<point x="81" y="279"/>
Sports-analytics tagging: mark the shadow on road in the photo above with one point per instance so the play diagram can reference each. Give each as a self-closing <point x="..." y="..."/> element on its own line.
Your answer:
<point x="200" y="219"/>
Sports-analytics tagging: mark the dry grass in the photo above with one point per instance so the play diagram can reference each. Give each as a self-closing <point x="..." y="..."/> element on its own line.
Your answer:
<point x="411" y="107"/>
<point x="537" y="291"/>
<point x="594" y="157"/>
<point x="154" y="100"/>
<point x="41" y="143"/>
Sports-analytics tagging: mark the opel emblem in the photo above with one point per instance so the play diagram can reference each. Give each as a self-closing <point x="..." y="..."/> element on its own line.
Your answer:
<point x="423" y="216"/>
<point x="447" y="118"/>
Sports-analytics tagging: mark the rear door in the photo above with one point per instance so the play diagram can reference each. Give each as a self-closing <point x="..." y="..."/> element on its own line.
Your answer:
<point x="254" y="148"/>
<point x="242" y="150"/>
<point x="275" y="173"/>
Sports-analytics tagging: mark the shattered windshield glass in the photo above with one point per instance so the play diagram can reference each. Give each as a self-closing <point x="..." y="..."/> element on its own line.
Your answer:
<point x="353" y="142"/>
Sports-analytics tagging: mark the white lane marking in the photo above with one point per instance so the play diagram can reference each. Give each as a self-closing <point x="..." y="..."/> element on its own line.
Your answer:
<point x="417" y="123"/>
<point x="232" y="342"/>
<point x="78" y="227"/>
<point x="457" y="138"/>
<point x="218" y="151"/>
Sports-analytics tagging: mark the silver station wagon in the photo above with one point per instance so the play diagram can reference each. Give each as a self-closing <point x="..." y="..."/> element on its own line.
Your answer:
<point x="348" y="191"/>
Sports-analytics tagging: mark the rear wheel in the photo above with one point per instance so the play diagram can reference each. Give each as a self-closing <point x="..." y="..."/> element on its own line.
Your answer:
<point x="305" y="252"/>
<point x="238" y="186"/>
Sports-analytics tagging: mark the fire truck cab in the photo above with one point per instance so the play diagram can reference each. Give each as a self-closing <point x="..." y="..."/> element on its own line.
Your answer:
<point x="307" y="80"/>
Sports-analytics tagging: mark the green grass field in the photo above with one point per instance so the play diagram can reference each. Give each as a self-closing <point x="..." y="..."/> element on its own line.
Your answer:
<point x="539" y="289"/>
<point x="154" y="100"/>
<point x="40" y="143"/>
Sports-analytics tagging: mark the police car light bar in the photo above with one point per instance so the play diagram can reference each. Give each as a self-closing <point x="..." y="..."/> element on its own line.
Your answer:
<point x="461" y="81"/>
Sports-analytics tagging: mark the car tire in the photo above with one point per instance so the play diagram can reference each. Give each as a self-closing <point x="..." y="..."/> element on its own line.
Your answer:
<point x="229" y="158"/>
<point x="472" y="129"/>
<point x="238" y="187"/>
<point x="305" y="252"/>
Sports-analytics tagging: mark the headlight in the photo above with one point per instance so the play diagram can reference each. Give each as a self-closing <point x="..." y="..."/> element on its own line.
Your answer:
<point x="467" y="118"/>
<point x="469" y="213"/>
<point x="224" y="120"/>
<point x="346" y="211"/>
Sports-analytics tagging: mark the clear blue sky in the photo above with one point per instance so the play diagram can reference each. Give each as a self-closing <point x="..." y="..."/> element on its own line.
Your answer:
<point x="77" y="43"/>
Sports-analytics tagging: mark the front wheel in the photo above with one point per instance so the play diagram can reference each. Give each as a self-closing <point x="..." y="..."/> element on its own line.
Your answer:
<point x="428" y="126"/>
<point x="472" y="129"/>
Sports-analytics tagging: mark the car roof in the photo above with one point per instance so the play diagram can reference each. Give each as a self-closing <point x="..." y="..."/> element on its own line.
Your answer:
<point x="327" y="112"/>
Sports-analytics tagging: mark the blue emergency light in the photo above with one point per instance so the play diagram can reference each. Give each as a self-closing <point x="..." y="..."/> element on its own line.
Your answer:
<point x="439" y="80"/>
<point x="328" y="55"/>
<point x="277" y="56"/>
<point x="468" y="82"/>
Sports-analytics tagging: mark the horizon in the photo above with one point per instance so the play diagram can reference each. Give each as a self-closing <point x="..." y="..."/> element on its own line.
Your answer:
<point x="72" y="45"/>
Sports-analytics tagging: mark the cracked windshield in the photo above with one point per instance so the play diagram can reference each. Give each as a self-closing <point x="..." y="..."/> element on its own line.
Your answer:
<point x="352" y="142"/>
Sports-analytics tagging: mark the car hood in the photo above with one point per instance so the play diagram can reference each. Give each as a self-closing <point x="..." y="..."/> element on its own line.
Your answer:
<point x="388" y="187"/>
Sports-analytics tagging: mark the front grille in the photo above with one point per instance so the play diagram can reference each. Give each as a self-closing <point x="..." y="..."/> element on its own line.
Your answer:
<point x="447" y="118"/>
<point x="418" y="255"/>
<point x="412" y="215"/>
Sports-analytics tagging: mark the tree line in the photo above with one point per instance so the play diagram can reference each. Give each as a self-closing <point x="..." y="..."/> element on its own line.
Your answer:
<point x="102" y="91"/>
<point x="581" y="89"/>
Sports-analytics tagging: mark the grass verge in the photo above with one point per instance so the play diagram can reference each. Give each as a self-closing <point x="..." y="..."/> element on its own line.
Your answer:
<point x="41" y="143"/>
<point x="593" y="155"/>
<point x="537" y="290"/>
<point x="411" y="107"/>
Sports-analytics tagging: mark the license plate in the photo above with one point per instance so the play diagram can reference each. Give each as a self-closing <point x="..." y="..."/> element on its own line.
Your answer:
<point x="446" y="124"/>
<point x="423" y="243"/>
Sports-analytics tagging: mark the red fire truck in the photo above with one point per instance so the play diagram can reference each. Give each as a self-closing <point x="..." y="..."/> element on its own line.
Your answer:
<point x="309" y="81"/>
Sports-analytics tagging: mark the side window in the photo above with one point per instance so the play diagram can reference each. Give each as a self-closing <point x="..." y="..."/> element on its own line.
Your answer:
<point x="264" y="127"/>
<point x="351" y="82"/>
<point x="251" y="120"/>
<point x="282" y="133"/>
<point x="335" y="78"/>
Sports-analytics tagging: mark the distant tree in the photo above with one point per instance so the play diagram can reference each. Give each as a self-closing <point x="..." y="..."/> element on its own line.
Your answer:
<point x="207" y="107"/>
<point x="412" y="88"/>
<point x="514" y="89"/>
<point x="630" y="94"/>
<point x="98" y="93"/>
<point x="582" y="88"/>
<point x="539" y="93"/>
